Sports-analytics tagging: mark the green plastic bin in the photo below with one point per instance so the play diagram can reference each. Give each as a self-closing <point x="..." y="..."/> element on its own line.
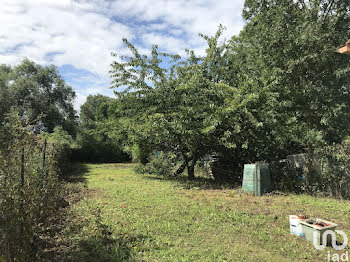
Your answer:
<point x="256" y="179"/>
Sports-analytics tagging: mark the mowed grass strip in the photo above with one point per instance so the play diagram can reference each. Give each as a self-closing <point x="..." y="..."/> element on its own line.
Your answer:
<point x="150" y="218"/>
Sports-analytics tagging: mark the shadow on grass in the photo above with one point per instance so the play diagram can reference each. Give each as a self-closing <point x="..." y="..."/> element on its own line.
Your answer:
<point x="104" y="249"/>
<point x="77" y="173"/>
<point x="200" y="183"/>
<point x="88" y="242"/>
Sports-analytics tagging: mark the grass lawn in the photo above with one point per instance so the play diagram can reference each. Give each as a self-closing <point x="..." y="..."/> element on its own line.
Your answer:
<point x="125" y="216"/>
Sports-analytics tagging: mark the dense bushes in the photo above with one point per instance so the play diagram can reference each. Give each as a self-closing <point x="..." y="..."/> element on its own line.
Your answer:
<point x="95" y="149"/>
<point x="98" y="140"/>
<point x="329" y="175"/>
<point x="30" y="191"/>
<point x="334" y="176"/>
<point x="60" y="143"/>
<point x="160" y="163"/>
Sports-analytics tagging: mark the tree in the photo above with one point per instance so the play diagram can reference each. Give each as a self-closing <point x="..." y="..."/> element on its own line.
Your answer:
<point x="93" y="109"/>
<point x="180" y="108"/>
<point x="291" y="47"/>
<point x="97" y="139"/>
<point x="37" y="92"/>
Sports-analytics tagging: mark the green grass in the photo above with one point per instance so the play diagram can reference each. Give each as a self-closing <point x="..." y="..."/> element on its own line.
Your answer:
<point x="126" y="216"/>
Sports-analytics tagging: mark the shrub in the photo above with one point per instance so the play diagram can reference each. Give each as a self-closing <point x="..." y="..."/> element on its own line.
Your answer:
<point x="334" y="176"/>
<point x="285" y="177"/>
<point x="59" y="147"/>
<point x="161" y="163"/>
<point x="97" y="148"/>
<point x="29" y="191"/>
<point x="139" y="152"/>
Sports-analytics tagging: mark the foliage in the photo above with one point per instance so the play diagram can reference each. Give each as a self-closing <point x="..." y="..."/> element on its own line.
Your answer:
<point x="334" y="177"/>
<point x="98" y="140"/>
<point x="37" y="91"/>
<point x="290" y="47"/>
<point x="239" y="105"/>
<point x="184" y="108"/>
<point x="140" y="152"/>
<point x="161" y="163"/>
<point x="29" y="190"/>
<point x="61" y="149"/>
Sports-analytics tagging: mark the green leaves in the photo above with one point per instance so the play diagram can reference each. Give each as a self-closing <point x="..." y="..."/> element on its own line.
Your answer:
<point x="35" y="91"/>
<point x="290" y="48"/>
<point x="271" y="91"/>
<point x="182" y="106"/>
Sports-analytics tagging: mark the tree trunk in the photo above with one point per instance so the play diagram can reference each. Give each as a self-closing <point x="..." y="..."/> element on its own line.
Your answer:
<point x="181" y="169"/>
<point x="190" y="168"/>
<point x="190" y="172"/>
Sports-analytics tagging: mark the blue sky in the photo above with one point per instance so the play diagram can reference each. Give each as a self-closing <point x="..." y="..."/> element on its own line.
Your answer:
<point x="78" y="35"/>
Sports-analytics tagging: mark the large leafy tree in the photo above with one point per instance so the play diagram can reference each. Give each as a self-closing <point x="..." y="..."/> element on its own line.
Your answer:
<point x="186" y="107"/>
<point x="290" y="47"/>
<point x="277" y="88"/>
<point x="171" y="108"/>
<point x="301" y="52"/>
<point x="37" y="92"/>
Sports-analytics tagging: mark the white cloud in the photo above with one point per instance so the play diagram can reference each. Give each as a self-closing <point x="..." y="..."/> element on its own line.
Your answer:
<point x="82" y="38"/>
<point x="193" y="17"/>
<point x="83" y="33"/>
<point x="79" y="100"/>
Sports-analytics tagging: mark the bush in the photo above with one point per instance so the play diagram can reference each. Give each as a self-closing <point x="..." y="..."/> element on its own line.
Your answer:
<point x="161" y="163"/>
<point x="95" y="148"/>
<point x="59" y="147"/>
<point x="29" y="191"/>
<point x="285" y="177"/>
<point x="140" y="152"/>
<point x="334" y="176"/>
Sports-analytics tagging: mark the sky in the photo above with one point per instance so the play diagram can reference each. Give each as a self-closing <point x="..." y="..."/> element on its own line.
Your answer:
<point x="78" y="36"/>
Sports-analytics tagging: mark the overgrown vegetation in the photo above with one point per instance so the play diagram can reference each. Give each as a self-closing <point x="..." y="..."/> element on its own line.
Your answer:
<point x="334" y="178"/>
<point x="98" y="139"/>
<point x="30" y="191"/>
<point x="37" y="127"/>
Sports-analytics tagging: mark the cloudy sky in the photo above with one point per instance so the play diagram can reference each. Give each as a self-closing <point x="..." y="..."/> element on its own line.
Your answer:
<point x="78" y="35"/>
